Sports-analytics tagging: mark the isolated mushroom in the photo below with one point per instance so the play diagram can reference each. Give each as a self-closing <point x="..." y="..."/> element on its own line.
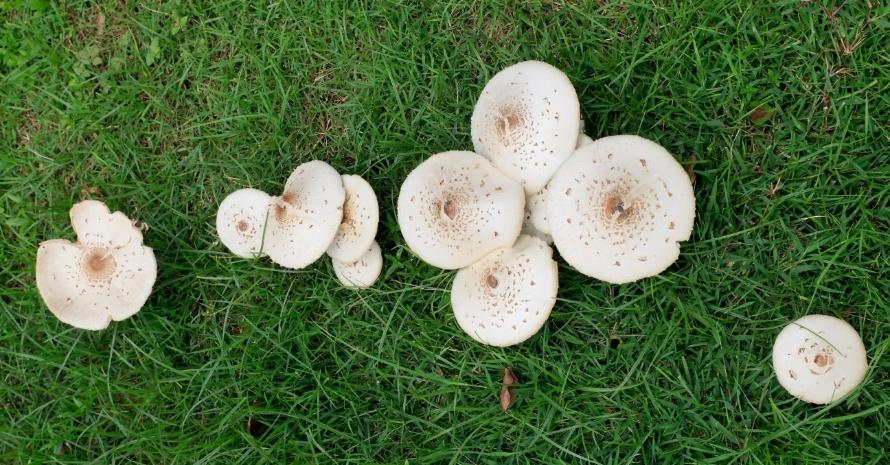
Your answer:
<point x="305" y="218"/>
<point x="526" y="121"/>
<point x="363" y="272"/>
<point x="106" y="275"/>
<point x="505" y="298"/>
<point x="619" y="207"/>
<point x="359" y="224"/>
<point x="819" y="358"/>
<point x="240" y="221"/>
<point x="456" y="207"/>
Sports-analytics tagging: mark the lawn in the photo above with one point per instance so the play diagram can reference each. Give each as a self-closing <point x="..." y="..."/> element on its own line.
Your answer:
<point x="781" y="110"/>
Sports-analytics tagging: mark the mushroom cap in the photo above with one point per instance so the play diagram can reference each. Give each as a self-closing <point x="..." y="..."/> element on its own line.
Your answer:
<point x="240" y="221"/>
<point x="618" y="208"/>
<point x="819" y="358"/>
<point x="456" y="207"/>
<point x="506" y="297"/>
<point x="536" y="205"/>
<point x="107" y="275"/>
<point x="583" y="139"/>
<point x="363" y="272"/>
<point x="359" y="225"/>
<point x="529" y="229"/>
<point x="526" y="121"/>
<point x="305" y="218"/>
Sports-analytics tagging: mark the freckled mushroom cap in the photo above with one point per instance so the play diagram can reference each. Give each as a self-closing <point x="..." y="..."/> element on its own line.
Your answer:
<point x="359" y="225"/>
<point x="305" y="218"/>
<point x="819" y="358"/>
<point x="536" y="205"/>
<point x="240" y="221"/>
<point x="526" y="121"/>
<point x="456" y="207"/>
<point x="107" y="275"/>
<point x="506" y="297"/>
<point x="619" y="207"/>
<point x="363" y="272"/>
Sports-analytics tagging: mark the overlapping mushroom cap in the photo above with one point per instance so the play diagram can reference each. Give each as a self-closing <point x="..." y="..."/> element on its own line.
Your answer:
<point x="456" y="207"/>
<point x="305" y="218"/>
<point x="361" y="273"/>
<point x="506" y="297"/>
<point x="240" y="221"/>
<point x="106" y="275"/>
<point x="359" y="224"/>
<point x="618" y="208"/>
<point x="819" y="358"/>
<point x="527" y="121"/>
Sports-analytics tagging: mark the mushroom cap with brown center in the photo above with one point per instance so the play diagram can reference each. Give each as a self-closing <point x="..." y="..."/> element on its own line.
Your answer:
<point x="361" y="273"/>
<point x="107" y="275"/>
<point x="505" y="298"/>
<point x="619" y="207"/>
<point x="241" y="219"/>
<point x="359" y="224"/>
<point x="305" y="218"/>
<point x="456" y="207"/>
<point x="526" y="121"/>
<point x="819" y="358"/>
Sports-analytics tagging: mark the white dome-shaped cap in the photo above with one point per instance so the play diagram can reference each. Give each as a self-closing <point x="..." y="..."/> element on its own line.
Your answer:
<point x="456" y="207"/>
<point x="619" y="207"/>
<point x="536" y="205"/>
<point x="359" y="225"/>
<point x="107" y="275"/>
<point x="819" y="358"/>
<point x="506" y="297"/>
<point x="363" y="272"/>
<point x="240" y="221"/>
<point x="304" y="219"/>
<point x="526" y="121"/>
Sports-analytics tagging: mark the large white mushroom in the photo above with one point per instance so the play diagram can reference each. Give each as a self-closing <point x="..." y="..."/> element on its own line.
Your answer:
<point x="619" y="207"/>
<point x="456" y="207"/>
<point x="106" y="275"/>
<point x="819" y="358"/>
<point x="359" y="225"/>
<point x="305" y="218"/>
<point x="527" y="121"/>
<point x="363" y="272"/>
<point x="506" y="297"/>
<point x="240" y="221"/>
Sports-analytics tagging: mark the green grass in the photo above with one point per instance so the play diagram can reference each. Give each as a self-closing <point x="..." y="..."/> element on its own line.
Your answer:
<point x="160" y="110"/>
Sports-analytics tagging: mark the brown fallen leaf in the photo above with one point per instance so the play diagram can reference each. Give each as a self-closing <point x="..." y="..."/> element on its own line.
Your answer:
<point x="508" y="393"/>
<point x="690" y="169"/>
<point x="759" y="115"/>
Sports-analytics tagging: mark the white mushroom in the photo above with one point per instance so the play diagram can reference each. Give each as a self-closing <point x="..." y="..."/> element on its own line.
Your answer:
<point x="106" y="275"/>
<point x="819" y="358"/>
<point x="359" y="224"/>
<point x="526" y="121"/>
<point x="619" y="207"/>
<point x="363" y="272"/>
<point x="536" y="205"/>
<point x="456" y="207"/>
<point x="506" y="297"/>
<point x="240" y="221"/>
<point x="583" y="139"/>
<point x="529" y="229"/>
<point x="305" y="218"/>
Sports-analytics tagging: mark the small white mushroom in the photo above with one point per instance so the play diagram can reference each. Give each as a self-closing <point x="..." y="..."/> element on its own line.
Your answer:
<point x="536" y="205"/>
<point x="529" y="229"/>
<point x="619" y="207"/>
<point x="240" y="221"/>
<point x="305" y="218"/>
<point x="363" y="272"/>
<point x="819" y="359"/>
<point x="106" y="275"/>
<point x="583" y="139"/>
<point x="526" y="121"/>
<point x="506" y="297"/>
<point x="456" y="207"/>
<point x="359" y="225"/>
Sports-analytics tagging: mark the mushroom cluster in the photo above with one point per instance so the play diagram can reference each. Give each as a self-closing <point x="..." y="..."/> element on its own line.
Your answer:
<point x="318" y="212"/>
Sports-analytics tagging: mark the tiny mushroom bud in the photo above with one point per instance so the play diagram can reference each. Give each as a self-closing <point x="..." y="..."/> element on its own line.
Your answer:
<point x="241" y="220"/>
<point x="304" y="220"/>
<point x="359" y="224"/>
<point x="363" y="272"/>
<point x="456" y="207"/>
<point x="106" y="275"/>
<point x="505" y="298"/>
<point x="527" y="121"/>
<point x="819" y="358"/>
<point x="619" y="207"/>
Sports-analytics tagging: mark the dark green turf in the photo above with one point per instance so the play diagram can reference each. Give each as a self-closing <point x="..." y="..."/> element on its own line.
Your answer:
<point x="160" y="110"/>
